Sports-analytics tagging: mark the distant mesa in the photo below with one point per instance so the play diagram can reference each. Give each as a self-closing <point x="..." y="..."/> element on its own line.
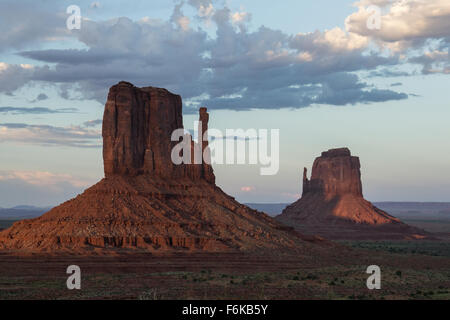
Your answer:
<point x="332" y="204"/>
<point x="145" y="201"/>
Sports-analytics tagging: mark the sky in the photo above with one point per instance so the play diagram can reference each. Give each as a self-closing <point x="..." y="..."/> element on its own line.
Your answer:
<point x="322" y="72"/>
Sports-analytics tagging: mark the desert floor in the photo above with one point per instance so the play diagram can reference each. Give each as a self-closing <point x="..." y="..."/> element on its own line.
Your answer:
<point x="409" y="270"/>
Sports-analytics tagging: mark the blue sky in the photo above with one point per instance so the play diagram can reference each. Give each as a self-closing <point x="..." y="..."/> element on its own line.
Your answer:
<point x="309" y="68"/>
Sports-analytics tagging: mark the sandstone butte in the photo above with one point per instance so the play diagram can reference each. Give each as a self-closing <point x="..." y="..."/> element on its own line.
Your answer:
<point x="145" y="201"/>
<point x="332" y="204"/>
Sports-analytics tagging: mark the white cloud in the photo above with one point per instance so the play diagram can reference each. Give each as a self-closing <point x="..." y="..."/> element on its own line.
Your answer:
<point x="408" y="27"/>
<point x="240" y="17"/>
<point x="27" y="22"/>
<point x="339" y="40"/>
<point x="184" y="22"/>
<point x="268" y="68"/>
<point x="405" y="20"/>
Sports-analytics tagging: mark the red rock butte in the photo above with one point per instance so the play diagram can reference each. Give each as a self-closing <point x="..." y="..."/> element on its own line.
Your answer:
<point x="145" y="201"/>
<point x="332" y="204"/>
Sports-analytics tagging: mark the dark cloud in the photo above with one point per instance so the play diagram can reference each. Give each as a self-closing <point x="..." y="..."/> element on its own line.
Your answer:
<point x="237" y="69"/>
<point x="39" y="110"/>
<point x="436" y="61"/>
<point x="95" y="5"/>
<point x="335" y="89"/>
<point x="26" y="23"/>
<point x="389" y="73"/>
<point x="41" y="97"/>
<point x="93" y="123"/>
<point x="13" y="77"/>
<point x="74" y="56"/>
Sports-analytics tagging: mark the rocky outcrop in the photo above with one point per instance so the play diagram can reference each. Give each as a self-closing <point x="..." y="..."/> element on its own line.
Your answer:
<point x="332" y="204"/>
<point x="335" y="173"/>
<point x="145" y="200"/>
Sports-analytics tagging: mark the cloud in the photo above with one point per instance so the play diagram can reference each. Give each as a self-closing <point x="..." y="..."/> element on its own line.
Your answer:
<point x="337" y="40"/>
<point x="407" y="27"/>
<point x="410" y="20"/>
<point x="73" y="56"/>
<point x="43" y="178"/>
<point x="240" y="17"/>
<point x="235" y="69"/>
<point x="39" y="188"/>
<point x="95" y="5"/>
<point x="434" y="62"/>
<point x="335" y="89"/>
<point x="40" y="97"/>
<point x="389" y="72"/>
<point x="37" y="110"/>
<point x="93" y="123"/>
<point x="123" y="49"/>
<point x="247" y="189"/>
<point x="14" y="76"/>
<point x="27" y="23"/>
<point x="49" y="135"/>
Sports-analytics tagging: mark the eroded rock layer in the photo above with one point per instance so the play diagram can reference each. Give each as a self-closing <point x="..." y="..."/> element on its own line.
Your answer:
<point x="332" y="204"/>
<point x="150" y="213"/>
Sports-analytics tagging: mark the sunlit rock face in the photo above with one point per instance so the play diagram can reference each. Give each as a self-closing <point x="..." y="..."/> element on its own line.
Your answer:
<point x="137" y="128"/>
<point x="332" y="204"/>
<point x="335" y="173"/>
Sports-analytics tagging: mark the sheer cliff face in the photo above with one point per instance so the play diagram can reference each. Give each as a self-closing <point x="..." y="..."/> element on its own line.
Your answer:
<point x="334" y="173"/>
<point x="137" y="128"/>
